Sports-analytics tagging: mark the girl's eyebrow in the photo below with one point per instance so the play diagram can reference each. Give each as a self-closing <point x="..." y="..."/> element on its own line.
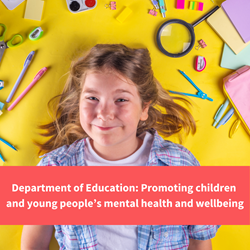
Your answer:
<point x="94" y="91"/>
<point x="90" y="91"/>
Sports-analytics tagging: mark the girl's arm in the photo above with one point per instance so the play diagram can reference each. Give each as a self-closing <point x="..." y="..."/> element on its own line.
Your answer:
<point x="36" y="237"/>
<point x="200" y="244"/>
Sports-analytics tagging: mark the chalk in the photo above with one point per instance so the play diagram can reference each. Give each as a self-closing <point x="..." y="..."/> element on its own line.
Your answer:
<point x="180" y="4"/>
<point x="124" y="14"/>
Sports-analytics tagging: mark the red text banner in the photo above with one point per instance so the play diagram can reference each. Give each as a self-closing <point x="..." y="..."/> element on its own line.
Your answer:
<point x="124" y="195"/>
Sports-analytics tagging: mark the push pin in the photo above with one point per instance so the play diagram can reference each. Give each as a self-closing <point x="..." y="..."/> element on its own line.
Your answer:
<point x="153" y="12"/>
<point x="112" y="5"/>
<point x="202" y="44"/>
<point x="1" y="84"/>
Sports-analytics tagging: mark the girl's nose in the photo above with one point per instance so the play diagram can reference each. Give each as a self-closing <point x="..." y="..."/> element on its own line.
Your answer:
<point x="106" y="112"/>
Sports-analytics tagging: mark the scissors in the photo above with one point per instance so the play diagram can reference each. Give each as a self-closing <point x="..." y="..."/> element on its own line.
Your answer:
<point x="200" y="93"/>
<point x="8" y="144"/>
<point x="4" y="45"/>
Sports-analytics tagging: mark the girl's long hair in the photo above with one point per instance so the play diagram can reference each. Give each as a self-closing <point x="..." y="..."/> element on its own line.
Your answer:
<point x="164" y="115"/>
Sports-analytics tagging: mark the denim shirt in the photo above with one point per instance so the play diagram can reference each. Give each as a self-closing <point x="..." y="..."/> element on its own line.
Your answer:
<point x="160" y="237"/>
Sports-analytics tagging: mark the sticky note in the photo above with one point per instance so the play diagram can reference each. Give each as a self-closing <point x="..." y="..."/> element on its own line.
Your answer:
<point x="180" y="4"/>
<point x="196" y="5"/>
<point x="124" y="14"/>
<point x="34" y="10"/>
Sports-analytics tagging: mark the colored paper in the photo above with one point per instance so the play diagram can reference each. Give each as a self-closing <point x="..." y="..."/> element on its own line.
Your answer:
<point x="195" y="5"/>
<point x="231" y="61"/>
<point x="10" y="4"/>
<point x="180" y="4"/>
<point x="34" y="10"/>
<point x="238" y="13"/>
<point x="220" y="22"/>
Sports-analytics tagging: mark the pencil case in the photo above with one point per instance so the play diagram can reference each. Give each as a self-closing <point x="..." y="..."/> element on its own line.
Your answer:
<point x="237" y="88"/>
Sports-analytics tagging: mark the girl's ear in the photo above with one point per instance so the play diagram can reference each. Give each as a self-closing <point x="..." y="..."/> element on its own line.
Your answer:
<point x="144" y="115"/>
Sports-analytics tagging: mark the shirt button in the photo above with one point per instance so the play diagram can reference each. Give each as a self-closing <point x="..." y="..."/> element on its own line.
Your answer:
<point x="165" y="234"/>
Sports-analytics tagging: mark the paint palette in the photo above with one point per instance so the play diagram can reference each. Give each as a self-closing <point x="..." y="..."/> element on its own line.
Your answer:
<point x="76" y="6"/>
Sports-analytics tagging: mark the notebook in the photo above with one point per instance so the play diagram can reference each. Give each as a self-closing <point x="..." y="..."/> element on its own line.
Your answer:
<point x="231" y="61"/>
<point x="238" y="13"/>
<point x="220" y="22"/>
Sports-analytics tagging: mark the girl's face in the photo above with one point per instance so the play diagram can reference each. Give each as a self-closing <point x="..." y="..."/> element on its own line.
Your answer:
<point x="110" y="110"/>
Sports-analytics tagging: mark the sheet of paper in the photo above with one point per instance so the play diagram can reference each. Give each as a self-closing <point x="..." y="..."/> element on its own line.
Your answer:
<point x="231" y="61"/>
<point x="220" y="22"/>
<point x="11" y="4"/>
<point x="34" y="10"/>
<point x="238" y="13"/>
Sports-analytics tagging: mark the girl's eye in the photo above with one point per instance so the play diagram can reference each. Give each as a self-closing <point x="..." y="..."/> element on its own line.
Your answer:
<point x="92" y="98"/>
<point x="121" y="100"/>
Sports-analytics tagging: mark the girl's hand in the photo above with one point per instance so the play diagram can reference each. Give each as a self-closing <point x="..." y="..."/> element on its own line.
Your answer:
<point x="36" y="237"/>
<point x="199" y="244"/>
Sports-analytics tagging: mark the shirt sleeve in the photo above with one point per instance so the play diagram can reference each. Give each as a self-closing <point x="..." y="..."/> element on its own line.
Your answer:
<point x="48" y="161"/>
<point x="205" y="232"/>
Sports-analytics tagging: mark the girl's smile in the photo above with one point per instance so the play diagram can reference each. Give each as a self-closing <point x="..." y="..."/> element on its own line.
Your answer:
<point x="110" y="110"/>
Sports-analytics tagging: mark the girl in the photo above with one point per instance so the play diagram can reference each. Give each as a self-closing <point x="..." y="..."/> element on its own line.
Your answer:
<point x="109" y="114"/>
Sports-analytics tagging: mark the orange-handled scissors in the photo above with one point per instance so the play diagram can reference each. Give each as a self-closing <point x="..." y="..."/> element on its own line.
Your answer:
<point x="4" y="45"/>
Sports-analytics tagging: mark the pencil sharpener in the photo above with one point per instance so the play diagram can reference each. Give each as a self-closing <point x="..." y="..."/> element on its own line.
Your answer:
<point x="200" y="63"/>
<point x="76" y="6"/>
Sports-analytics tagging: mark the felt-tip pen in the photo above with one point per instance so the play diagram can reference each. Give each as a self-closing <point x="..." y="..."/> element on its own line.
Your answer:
<point x="220" y="112"/>
<point x="226" y="118"/>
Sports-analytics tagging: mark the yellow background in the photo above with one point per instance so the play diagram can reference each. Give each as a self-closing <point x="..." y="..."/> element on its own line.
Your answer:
<point x="66" y="35"/>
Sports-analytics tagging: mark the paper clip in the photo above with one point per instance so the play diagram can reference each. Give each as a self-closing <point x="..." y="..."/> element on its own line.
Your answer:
<point x="202" y="44"/>
<point x="153" y="12"/>
<point x="112" y="5"/>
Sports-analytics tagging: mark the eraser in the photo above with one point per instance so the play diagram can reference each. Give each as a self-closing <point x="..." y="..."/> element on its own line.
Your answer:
<point x="124" y="14"/>
<point x="180" y="4"/>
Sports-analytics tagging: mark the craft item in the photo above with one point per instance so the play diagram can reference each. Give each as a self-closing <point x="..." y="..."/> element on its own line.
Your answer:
<point x="236" y="86"/>
<point x="10" y="4"/>
<point x="34" y="10"/>
<point x="1" y="84"/>
<point x="180" y="4"/>
<point x="202" y="44"/>
<point x="153" y="12"/>
<point x="25" y="67"/>
<point x="112" y="5"/>
<point x="35" y="80"/>
<point x="238" y="13"/>
<point x="200" y="93"/>
<point x="155" y="3"/>
<point x="36" y="34"/>
<point x="200" y="63"/>
<point x="231" y="61"/>
<point x="226" y="118"/>
<point x="220" y="112"/>
<point x="9" y="44"/>
<point x="163" y="9"/>
<point x="1" y="107"/>
<point x="8" y="144"/>
<point x="76" y="6"/>
<point x="196" y="5"/>
<point x="175" y="37"/>
<point x="220" y="22"/>
<point x="124" y="14"/>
